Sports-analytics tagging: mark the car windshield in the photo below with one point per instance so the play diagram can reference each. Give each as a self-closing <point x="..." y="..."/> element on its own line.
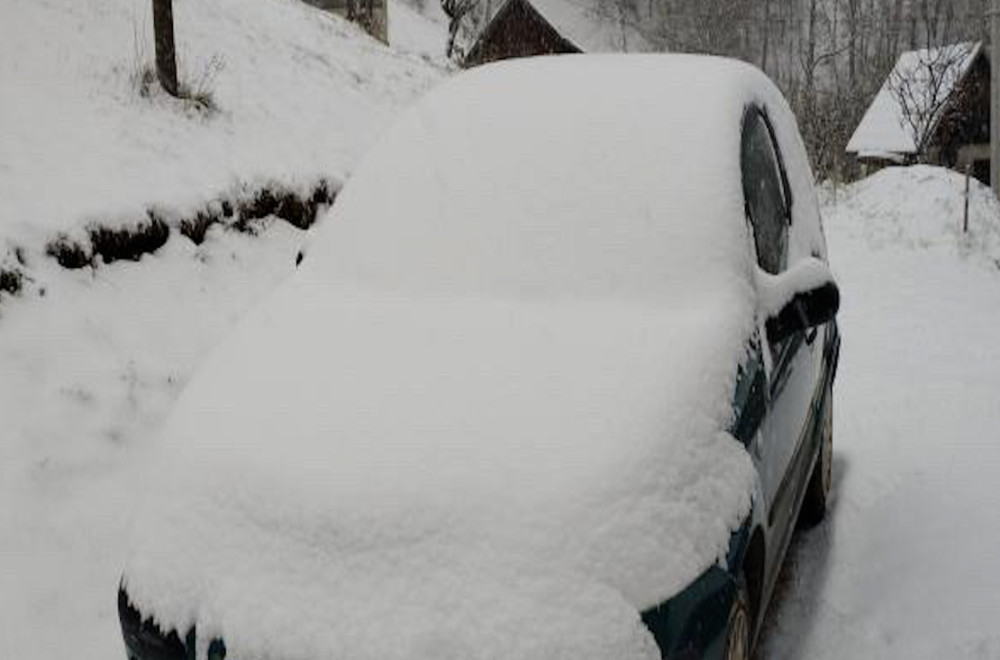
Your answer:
<point x="479" y="191"/>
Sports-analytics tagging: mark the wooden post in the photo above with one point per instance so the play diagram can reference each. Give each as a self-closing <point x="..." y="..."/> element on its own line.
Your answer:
<point x="965" y="219"/>
<point x="995" y="97"/>
<point x="166" y="58"/>
<point x="836" y="174"/>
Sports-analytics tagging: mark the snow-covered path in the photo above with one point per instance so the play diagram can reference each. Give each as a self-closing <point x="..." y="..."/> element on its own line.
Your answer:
<point x="906" y="565"/>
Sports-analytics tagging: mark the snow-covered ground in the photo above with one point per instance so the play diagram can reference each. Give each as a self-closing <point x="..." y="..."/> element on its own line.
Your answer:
<point x="89" y="371"/>
<point x="297" y="94"/>
<point x="906" y="564"/>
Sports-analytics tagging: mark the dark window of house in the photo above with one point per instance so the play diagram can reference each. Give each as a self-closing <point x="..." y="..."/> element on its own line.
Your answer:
<point x="981" y="170"/>
<point x="764" y="193"/>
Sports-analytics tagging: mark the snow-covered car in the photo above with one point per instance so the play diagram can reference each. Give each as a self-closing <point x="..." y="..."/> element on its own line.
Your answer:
<point x="553" y="381"/>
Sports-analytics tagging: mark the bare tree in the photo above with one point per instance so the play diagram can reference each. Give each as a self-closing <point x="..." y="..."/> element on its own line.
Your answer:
<point x="853" y="12"/>
<point x="166" y="57"/>
<point x="923" y="85"/>
<point x="626" y="16"/>
<point x="459" y="12"/>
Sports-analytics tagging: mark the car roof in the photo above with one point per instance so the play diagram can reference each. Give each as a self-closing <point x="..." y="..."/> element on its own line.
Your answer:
<point x="571" y="176"/>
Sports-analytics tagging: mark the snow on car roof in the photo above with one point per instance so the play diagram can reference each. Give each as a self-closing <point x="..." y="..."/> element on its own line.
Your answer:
<point x="884" y="129"/>
<point x="489" y="416"/>
<point x="517" y="179"/>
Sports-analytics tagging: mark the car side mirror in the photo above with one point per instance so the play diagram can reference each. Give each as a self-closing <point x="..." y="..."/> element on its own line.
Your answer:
<point x="802" y="297"/>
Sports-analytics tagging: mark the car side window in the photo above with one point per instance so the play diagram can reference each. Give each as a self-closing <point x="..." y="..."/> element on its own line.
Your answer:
<point x="764" y="191"/>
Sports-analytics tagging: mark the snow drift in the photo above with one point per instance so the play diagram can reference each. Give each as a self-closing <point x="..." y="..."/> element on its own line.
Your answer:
<point x="490" y="414"/>
<point x="920" y="207"/>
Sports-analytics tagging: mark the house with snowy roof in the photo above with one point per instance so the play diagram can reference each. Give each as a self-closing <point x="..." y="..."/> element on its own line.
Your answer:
<point x="934" y="107"/>
<point x="522" y="28"/>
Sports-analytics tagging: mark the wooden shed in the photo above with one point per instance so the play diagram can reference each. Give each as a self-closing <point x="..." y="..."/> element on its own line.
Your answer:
<point x="522" y="28"/>
<point x="958" y="132"/>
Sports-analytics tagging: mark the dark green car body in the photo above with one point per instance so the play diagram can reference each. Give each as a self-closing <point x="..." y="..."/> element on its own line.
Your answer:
<point x="693" y="624"/>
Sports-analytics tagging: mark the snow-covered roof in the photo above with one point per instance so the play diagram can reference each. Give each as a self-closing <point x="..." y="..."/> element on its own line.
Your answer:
<point x="490" y="412"/>
<point x="588" y="25"/>
<point x="884" y="129"/>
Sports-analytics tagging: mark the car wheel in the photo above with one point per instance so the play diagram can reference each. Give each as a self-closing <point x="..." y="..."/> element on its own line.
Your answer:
<point x="739" y="636"/>
<point x="818" y="491"/>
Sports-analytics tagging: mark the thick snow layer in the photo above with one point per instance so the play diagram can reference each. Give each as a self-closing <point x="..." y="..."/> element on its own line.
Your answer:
<point x="300" y="94"/>
<point x="605" y="211"/>
<point x="577" y="439"/>
<point x="905" y="566"/>
<point x="525" y="372"/>
<point x="884" y="130"/>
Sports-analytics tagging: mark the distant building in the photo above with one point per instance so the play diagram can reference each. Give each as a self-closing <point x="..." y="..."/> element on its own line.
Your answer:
<point x="372" y="15"/>
<point x="522" y="28"/>
<point x="958" y="133"/>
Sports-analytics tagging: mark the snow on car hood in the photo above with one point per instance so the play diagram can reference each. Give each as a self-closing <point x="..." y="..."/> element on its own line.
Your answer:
<point x="489" y="417"/>
<point x="347" y="447"/>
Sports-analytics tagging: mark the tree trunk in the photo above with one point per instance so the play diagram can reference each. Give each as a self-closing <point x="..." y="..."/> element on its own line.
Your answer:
<point x="767" y="35"/>
<point x="166" y="59"/>
<point x="852" y="45"/>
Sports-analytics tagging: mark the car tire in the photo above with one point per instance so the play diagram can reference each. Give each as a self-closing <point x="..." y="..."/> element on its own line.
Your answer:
<point x="739" y="633"/>
<point x="818" y="491"/>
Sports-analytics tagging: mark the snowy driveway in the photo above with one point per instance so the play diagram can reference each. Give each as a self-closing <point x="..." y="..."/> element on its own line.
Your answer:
<point x="906" y="564"/>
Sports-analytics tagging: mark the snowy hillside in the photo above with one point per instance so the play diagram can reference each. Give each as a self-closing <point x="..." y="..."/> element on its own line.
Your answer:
<point x="296" y="95"/>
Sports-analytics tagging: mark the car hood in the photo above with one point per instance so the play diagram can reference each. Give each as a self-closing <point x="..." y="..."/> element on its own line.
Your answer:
<point x="358" y="456"/>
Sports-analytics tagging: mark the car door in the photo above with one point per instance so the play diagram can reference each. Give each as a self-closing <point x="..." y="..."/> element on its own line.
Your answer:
<point x="781" y="449"/>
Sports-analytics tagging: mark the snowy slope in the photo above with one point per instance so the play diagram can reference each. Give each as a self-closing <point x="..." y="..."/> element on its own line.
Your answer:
<point x="905" y="567"/>
<point x="299" y="94"/>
